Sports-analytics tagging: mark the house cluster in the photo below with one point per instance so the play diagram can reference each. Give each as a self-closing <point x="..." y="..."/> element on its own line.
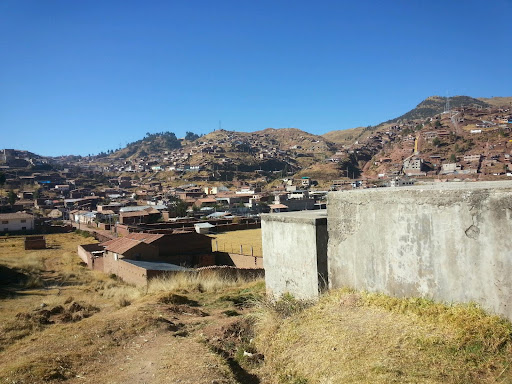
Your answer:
<point x="71" y="194"/>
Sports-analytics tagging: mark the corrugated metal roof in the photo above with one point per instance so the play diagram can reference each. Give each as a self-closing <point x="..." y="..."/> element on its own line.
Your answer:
<point x="204" y="225"/>
<point x="219" y="214"/>
<point x="136" y="208"/>
<point x="154" y="266"/>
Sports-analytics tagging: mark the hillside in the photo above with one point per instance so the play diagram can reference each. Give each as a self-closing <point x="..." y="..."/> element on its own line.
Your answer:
<point x="151" y="143"/>
<point x="270" y="138"/>
<point x="346" y="136"/>
<point x="428" y="108"/>
<point x="265" y="155"/>
<point x="434" y="105"/>
<point x="499" y="102"/>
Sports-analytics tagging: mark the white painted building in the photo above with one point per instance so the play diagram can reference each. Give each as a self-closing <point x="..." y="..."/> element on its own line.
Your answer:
<point x="13" y="222"/>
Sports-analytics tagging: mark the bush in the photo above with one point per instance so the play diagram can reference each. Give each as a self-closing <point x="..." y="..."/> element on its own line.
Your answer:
<point x="83" y="233"/>
<point x="287" y="306"/>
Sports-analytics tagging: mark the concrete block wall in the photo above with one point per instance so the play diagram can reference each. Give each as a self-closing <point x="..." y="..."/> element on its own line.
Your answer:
<point x="294" y="253"/>
<point x="450" y="242"/>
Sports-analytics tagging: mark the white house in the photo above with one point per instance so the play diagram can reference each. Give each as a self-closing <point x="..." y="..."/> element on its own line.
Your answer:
<point x="12" y="222"/>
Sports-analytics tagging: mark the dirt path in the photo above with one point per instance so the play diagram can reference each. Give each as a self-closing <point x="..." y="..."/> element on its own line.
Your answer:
<point x="155" y="357"/>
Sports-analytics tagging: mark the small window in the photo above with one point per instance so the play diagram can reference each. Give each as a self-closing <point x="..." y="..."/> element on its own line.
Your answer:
<point x="23" y="220"/>
<point x="23" y="228"/>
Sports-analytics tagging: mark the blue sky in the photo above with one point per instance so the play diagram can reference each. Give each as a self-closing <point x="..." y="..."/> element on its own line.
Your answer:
<point x="80" y="77"/>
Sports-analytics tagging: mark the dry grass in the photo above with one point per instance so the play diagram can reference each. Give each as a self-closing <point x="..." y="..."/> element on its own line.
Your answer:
<point x="211" y="282"/>
<point x="46" y="332"/>
<point x="364" y="338"/>
<point x="231" y="241"/>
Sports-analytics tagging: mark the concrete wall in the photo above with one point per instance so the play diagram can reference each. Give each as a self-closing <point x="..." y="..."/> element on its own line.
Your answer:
<point x="449" y="242"/>
<point x="294" y="252"/>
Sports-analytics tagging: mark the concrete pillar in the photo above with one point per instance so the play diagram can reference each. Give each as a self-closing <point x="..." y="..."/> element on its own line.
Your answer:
<point x="295" y="253"/>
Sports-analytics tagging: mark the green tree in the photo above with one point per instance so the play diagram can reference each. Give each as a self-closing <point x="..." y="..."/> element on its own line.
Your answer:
<point x="453" y="158"/>
<point x="191" y="136"/>
<point x="11" y="197"/>
<point x="436" y="142"/>
<point x="178" y="206"/>
<point x="2" y="178"/>
<point x="438" y="124"/>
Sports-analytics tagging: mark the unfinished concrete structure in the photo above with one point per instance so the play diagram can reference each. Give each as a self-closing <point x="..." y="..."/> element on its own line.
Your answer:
<point x="449" y="242"/>
<point x="294" y="249"/>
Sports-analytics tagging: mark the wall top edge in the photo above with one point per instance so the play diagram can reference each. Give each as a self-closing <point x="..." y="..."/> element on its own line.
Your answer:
<point x="316" y="217"/>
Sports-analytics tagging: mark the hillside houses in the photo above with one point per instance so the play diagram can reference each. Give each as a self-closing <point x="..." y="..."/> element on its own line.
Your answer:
<point x="242" y="172"/>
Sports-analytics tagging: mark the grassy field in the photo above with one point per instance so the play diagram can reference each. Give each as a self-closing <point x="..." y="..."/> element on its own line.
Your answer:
<point x="231" y="241"/>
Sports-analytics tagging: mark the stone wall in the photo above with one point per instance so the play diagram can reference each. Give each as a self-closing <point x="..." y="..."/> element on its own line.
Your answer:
<point x="449" y="242"/>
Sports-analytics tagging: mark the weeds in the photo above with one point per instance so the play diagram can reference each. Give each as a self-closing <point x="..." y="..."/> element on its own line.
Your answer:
<point x="231" y="313"/>
<point x="286" y="306"/>
<point x="83" y="233"/>
<point x="123" y="302"/>
<point x="198" y="282"/>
